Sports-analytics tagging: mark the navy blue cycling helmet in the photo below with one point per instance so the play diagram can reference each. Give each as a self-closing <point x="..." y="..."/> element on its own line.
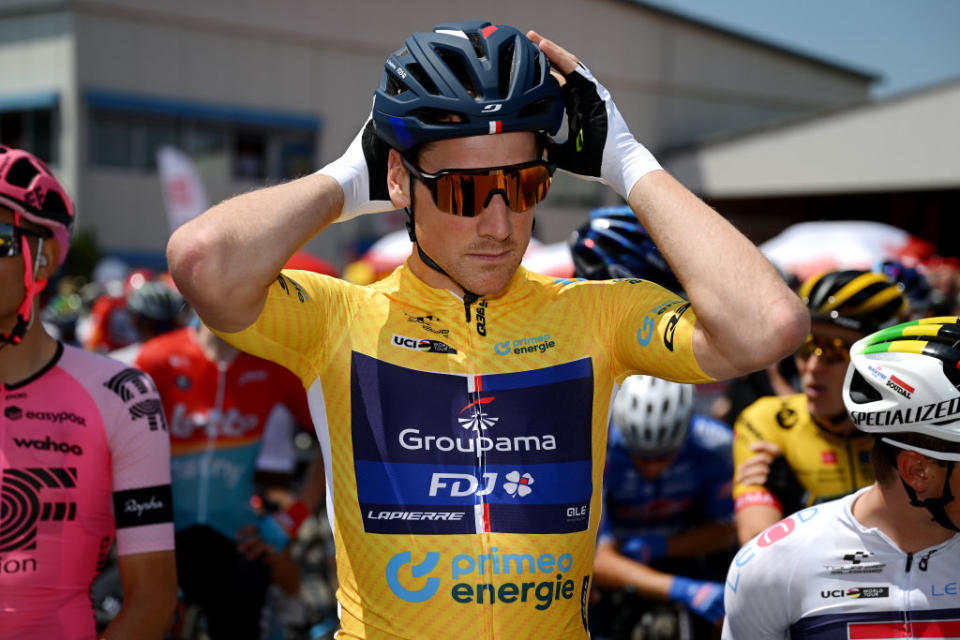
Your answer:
<point x="465" y="79"/>
<point x="613" y="244"/>
<point x="913" y="284"/>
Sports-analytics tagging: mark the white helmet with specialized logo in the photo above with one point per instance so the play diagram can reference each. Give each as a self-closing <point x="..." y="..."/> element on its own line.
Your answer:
<point x="653" y="415"/>
<point x="905" y="380"/>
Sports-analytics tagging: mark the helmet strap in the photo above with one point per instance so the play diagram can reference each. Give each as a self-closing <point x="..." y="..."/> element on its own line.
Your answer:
<point x="31" y="289"/>
<point x="935" y="505"/>
<point x="468" y="296"/>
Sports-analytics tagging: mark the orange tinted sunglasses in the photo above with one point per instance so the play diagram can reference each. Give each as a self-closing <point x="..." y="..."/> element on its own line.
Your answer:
<point x="467" y="192"/>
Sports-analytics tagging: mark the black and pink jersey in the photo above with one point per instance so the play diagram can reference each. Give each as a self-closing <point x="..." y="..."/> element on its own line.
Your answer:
<point x="84" y="458"/>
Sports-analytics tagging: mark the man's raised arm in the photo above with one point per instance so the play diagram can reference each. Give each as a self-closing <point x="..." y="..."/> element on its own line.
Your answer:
<point x="224" y="260"/>
<point x="747" y="317"/>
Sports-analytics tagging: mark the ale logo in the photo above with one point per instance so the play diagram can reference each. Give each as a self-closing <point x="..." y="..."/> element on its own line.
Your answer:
<point x="424" y="593"/>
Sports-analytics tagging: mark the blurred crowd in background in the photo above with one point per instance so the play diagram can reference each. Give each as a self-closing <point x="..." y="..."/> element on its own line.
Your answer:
<point x="114" y="307"/>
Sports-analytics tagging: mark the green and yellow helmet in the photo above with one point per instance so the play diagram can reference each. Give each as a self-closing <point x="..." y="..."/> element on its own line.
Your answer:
<point x="860" y="300"/>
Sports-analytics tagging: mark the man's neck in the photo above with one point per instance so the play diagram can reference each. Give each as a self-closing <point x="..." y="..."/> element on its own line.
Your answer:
<point x="888" y="508"/>
<point x="213" y="347"/>
<point x="19" y="362"/>
<point x="431" y="276"/>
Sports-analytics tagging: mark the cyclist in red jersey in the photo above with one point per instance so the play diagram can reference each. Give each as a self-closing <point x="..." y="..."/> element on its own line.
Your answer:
<point x="224" y="407"/>
<point x="84" y="453"/>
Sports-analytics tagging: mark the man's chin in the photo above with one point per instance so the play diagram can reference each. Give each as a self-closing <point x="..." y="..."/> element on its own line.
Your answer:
<point x="489" y="282"/>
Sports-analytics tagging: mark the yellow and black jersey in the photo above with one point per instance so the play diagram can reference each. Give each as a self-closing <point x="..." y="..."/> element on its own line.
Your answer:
<point x="817" y="465"/>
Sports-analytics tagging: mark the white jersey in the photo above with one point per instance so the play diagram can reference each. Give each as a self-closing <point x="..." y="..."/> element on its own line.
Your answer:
<point x="819" y="574"/>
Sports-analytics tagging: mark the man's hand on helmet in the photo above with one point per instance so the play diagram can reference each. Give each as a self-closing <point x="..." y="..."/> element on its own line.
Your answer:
<point x="598" y="145"/>
<point x="362" y="174"/>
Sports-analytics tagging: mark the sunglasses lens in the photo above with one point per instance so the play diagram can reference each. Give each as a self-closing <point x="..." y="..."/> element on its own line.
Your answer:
<point x="467" y="194"/>
<point x="8" y="241"/>
<point x="830" y="350"/>
<point x="533" y="183"/>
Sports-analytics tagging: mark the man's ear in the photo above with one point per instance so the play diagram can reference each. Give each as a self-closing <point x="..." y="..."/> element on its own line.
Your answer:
<point x="47" y="260"/>
<point x="919" y="471"/>
<point x="398" y="180"/>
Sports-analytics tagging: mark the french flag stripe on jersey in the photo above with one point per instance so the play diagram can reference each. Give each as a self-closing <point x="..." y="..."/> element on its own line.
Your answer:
<point x="496" y="126"/>
<point x="944" y="629"/>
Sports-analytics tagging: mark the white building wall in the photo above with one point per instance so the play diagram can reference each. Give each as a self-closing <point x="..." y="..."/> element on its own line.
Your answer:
<point x="675" y="81"/>
<point x="906" y="143"/>
<point x="37" y="56"/>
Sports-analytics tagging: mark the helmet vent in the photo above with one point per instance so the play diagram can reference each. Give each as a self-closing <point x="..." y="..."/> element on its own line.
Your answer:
<point x="22" y="173"/>
<point x="950" y="368"/>
<point x="420" y="76"/>
<point x="437" y="116"/>
<point x="53" y="203"/>
<point x="505" y="68"/>
<point x="458" y="66"/>
<point x="477" y="43"/>
<point x="394" y="88"/>
<point x="862" y="391"/>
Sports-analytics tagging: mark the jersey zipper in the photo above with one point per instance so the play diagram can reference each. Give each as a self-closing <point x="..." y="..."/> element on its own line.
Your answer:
<point x="468" y="299"/>
<point x="214" y="422"/>
<point x="482" y="508"/>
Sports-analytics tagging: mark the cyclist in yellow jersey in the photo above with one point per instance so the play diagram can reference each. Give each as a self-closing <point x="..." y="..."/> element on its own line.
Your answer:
<point x="797" y="450"/>
<point x="461" y="403"/>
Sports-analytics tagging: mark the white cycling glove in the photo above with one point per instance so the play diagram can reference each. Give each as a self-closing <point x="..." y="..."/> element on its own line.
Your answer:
<point x="599" y="145"/>
<point x="362" y="174"/>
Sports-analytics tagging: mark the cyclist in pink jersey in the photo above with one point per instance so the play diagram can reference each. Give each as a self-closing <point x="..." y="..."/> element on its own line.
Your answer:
<point x="84" y="451"/>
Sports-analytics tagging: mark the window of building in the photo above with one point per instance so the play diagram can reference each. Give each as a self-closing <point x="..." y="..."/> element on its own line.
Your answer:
<point x="30" y="129"/>
<point x="250" y="156"/>
<point x="111" y="141"/>
<point x="127" y="131"/>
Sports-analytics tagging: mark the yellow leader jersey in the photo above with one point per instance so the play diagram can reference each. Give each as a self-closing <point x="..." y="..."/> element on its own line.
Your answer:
<point x="819" y="465"/>
<point x="464" y="444"/>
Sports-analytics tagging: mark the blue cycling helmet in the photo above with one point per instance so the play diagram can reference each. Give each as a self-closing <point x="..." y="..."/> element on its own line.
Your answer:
<point x="913" y="283"/>
<point x="613" y="244"/>
<point x="465" y="79"/>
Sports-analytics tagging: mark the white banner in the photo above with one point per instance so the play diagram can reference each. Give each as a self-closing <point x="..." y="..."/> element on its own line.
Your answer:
<point x="183" y="192"/>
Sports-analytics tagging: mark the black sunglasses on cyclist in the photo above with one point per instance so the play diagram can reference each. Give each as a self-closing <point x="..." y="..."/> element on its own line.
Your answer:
<point x="10" y="239"/>
<point x="467" y="192"/>
<point x="830" y="350"/>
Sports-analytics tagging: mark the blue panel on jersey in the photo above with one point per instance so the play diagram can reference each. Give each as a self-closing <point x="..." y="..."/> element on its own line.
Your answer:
<point x="578" y="369"/>
<point x="518" y="449"/>
<point x="392" y="483"/>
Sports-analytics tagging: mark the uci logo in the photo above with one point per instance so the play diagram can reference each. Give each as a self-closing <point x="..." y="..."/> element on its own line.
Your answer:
<point x="422" y="594"/>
